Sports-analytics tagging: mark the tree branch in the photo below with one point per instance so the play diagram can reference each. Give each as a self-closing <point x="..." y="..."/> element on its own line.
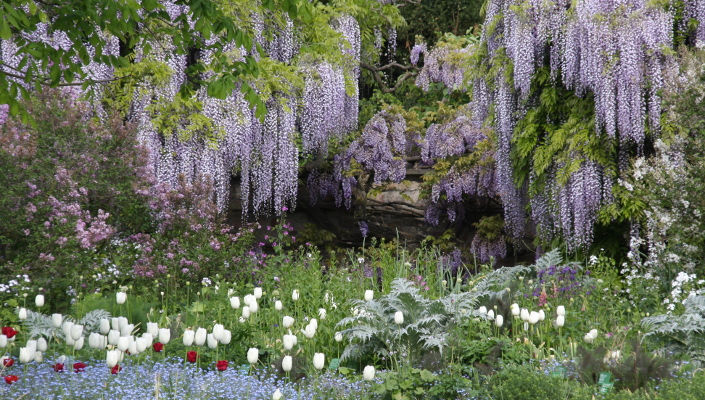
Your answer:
<point x="410" y="71"/>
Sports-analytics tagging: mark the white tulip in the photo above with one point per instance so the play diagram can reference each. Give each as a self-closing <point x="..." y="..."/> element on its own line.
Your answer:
<point x="104" y="326"/>
<point x="398" y="318"/>
<point x="278" y="305"/>
<point x="338" y="337"/>
<point x="560" y="321"/>
<point x="287" y="322"/>
<point x="153" y="328"/>
<point x="490" y="315"/>
<point x="22" y="314"/>
<point x="76" y="331"/>
<point x="42" y="344"/>
<point x="112" y="358"/>
<point x="248" y="299"/>
<point x="39" y="300"/>
<point x="542" y="315"/>
<point x="287" y="363"/>
<point x="560" y="310"/>
<point x="69" y="341"/>
<point x="56" y="320"/>
<point x="322" y="313"/>
<point x="319" y="361"/>
<point x="499" y="320"/>
<point x="534" y="317"/>
<point x="235" y="302"/>
<point x="314" y="322"/>
<point x="122" y="321"/>
<point x="525" y="314"/>
<point x="200" y="338"/>
<point x="79" y="343"/>
<point x="482" y="310"/>
<point x="123" y="343"/>
<point x="113" y="337"/>
<point x="188" y="337"/>
<point x="38" y="356"/>
<point x="212" y="342"/>
<point x="218" y="331"/>
<point x="246" y="312"/>
<point x="3" y="341"/>
<point x="164" y="335"/>
<point x="288" y="342"/>
<point x="295" y="295"/>
<point x="141" y="344"/>
<point x="254" y="306"/>
<point x="309" y="331"/>
<point x="258" y="293"/>
<point x="94" y="340"/>
<point x="126" y="329"/>
<point x="368" y="373"/>
<point x="369" y="295"/>
<point x="588" y="338"/>
<point x="277" y="395"/>
<point x="227" y="337"/>
<point x="32" y="345"/>
<point x="132" y="347"/>
<point x="120" y="297"/>
<point x="26" y="355"/>
<point x="252" y="355"/>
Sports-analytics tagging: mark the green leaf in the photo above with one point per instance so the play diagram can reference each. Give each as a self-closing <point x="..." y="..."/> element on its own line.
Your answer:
<point x="5" y="31"/>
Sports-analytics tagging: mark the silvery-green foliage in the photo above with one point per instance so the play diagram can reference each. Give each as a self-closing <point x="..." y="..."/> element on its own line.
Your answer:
<point x="681" y="333"/>
<point x="38" y="324"/>
<point x="427" y="322"/>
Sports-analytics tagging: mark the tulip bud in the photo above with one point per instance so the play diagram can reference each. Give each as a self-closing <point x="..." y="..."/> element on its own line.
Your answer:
<point x="368" y="373"/>
<point x="490" y="315"/>
<point x="227" y="337"/>
<point x="120" y="297"/>
<point x="188" y="337"/>
<point x="277" y="395"/>
<point x="314" y="322"/>
<point x="515" y="310"/>
<point x="338" y="337"/>
<point x="258" y="293"/>
<point x="56" y="320"/>
<point x="542" y="315"/>
<point x="252" y="355"/>
<point x="112" y="358"/>
<point x="164" y="335"/>
<point x="295" y="295"/>
<point x="560" y="310"/>
<point x="39" y="300"/>
<point x="200" y="337"/>
<point x="246" y="312"/>
<point x="153" y="328"/>
<point x="141" y="344"/>
<point x="482" y="310"/>
<point x="104" y="326"/>
<point x="278" y="305"/>
<point x="287" y="322"/>
<point x="369" y="295"/>
<point x="398" y="318"/>
<point x="534" y="317"/>
<point x="319" y="361"/>
<point x="22" y="314"/>
<point x="288" y="342"/>
<point x="287" y="363"/>
<point x="499" y="320"/>
<point x="235" y="302"/>
<point x="42" y="344"/>
<point x="78" y="345"/>
<point x="212" y="341"/>
<point x="322" y="313"/>
<point x="560" y="321"/>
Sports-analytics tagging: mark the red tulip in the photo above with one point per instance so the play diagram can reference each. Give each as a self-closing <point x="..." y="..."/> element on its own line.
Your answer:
<point x="58" y="367"/>
<point x="222" y="365"/>
<point x="114" y="370"/>
<point x="158" y="347"/>
<point x="9" y="332"/>
<point x="191" y="356"/>
<point x="8" y="362"/>
<point x="11" y="378"/>
<point x="79" y="367"/>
